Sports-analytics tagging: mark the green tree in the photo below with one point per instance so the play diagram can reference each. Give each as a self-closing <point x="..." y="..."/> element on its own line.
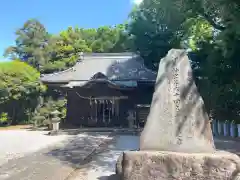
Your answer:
<point x="110" y="39"/>
<point x="215" y="40"/>
<point x="64" y="50"/>
<point x="154" y="26"/>
<point x="19" y="90"/>
<point x="31" y="43"/>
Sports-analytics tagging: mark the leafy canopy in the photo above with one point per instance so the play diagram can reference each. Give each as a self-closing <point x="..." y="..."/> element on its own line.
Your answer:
<point x="19" y="89"/>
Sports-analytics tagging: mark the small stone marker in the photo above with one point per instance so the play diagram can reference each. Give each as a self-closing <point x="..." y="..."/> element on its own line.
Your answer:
<point x="177" y="120"/>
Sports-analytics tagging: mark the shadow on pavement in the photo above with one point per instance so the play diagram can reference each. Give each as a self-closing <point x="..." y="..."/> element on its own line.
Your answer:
<point x="111" y="177"/>
<point x="77" y="148"/>
<point x="102" y="166"/>
<point x="227" y="144"/>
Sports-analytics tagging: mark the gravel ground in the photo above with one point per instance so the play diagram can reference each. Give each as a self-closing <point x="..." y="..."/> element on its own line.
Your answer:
<point x="17" y="143"/>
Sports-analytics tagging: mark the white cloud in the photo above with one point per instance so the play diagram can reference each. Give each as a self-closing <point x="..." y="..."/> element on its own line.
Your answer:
<point x="137" y="2"/>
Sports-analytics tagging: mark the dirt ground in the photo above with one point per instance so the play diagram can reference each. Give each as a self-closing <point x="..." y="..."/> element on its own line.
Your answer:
<point x="16" y="127"/>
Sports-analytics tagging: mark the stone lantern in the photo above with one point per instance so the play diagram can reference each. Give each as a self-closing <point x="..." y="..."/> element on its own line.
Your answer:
<point x="55" y="121"/>
<point x="131" y="118"/>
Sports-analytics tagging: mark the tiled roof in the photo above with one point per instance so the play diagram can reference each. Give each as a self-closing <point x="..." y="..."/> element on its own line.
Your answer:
<point x="115" y="66"/>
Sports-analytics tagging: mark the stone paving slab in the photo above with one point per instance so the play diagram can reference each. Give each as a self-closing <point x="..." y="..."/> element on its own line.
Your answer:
<point x="53" y="163"/>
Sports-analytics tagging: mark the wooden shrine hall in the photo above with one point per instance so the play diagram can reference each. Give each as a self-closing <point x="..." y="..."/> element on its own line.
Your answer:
<point x="104" y="88"/>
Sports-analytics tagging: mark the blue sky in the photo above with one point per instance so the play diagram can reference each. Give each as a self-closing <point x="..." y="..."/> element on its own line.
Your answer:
<point x="57" y="15"/>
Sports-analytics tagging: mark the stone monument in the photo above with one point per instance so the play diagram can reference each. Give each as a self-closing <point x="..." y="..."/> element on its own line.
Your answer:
<point x="177" y="141"/>
<point x="178" y="107"/>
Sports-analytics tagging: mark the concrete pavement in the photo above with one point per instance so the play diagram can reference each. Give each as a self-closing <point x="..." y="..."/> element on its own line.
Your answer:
<point x="53" y="163"/>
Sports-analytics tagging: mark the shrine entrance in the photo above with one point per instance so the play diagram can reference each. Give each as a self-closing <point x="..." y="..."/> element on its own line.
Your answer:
<point x="104" y="110"/>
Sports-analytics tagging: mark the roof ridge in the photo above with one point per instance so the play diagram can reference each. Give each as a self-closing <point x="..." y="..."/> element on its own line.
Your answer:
<point x="60" y="72"/>
<point x="80" y="60"/>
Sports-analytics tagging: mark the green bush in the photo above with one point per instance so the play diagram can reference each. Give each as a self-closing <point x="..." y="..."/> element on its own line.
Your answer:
<point x="20" y="90"/>
<point x="3" y="118"/>
<point x="38" y="120"/>
<point x="47" y="108"/>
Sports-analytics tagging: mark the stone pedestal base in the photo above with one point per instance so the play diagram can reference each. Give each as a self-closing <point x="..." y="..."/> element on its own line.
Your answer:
<point x="146" y="165"/>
